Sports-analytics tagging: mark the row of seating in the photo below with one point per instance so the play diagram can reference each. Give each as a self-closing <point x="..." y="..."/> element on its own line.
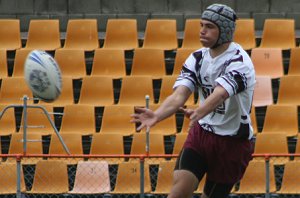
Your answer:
<point x="93" y="178"/>
<point x="123" y="34"/>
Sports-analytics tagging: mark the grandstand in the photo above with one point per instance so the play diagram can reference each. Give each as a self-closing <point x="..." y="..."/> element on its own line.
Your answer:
<point x="90" y="48"/>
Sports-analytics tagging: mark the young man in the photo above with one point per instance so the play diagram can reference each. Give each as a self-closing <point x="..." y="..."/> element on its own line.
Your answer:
<point x="219" y="140"/>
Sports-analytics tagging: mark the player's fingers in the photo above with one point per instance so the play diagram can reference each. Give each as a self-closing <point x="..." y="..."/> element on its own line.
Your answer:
<point x="140" y="110"/>
<point x="140" y="127"/>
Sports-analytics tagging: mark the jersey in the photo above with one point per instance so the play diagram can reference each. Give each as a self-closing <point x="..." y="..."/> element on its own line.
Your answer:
<point x="234" y="71"/>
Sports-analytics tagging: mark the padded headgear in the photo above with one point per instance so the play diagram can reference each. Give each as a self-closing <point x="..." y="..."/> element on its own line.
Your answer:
<point x="224" y="17"/>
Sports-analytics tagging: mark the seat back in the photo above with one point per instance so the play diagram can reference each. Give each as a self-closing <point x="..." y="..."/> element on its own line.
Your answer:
<point x="10" y="34"/>
<point x="82" y="34"/>
<point x="91" y="178"/>
<point x="3" y="64"/>
<point x="263" y="91"/>
<point x="19" y="62"/>
<point x="109" y="62"/>
<point x="121" y="34"/>
<point x="71" y="62"/>
<point x="289" y="90"/>
<point x="8" y="182"/>
<point x="134" y="89"/>
<point x="164" y="177"/>
<point x="178" y="143"/>
<point x="191" y="39"/>
<point x="161" y="34"/>
<point x="78" y="119"/>
<point x="291" y="178"/>
<point x="245" y="33"/>
<point x="294" y="64"/>
<point x="8" y="121"/>
<point x="278" y="33"/>
<point x="268" y="62"/>
<point x="254" y="120"/>
<point x="181" y="55"/>
<point x="43" y="34"/>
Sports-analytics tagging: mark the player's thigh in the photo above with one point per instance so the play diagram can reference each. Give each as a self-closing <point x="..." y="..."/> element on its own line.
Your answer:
<point x="216" y="190"/>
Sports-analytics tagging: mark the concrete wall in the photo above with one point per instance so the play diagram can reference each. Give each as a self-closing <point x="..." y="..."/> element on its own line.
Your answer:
<point x="142" y="10"/>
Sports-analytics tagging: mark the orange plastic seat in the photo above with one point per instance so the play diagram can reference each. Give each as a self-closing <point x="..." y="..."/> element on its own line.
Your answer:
<point x="3" y="64"/>
<point x="73" y="141"/>
<point x="91" y="178"/>
<point x="10" y="34"/>
<point x="164" y="177"/>
<point x="254" y="120"/>
<point x="144" y="59"/>
<point x="161" y="34"/>
<point x="254" y="179"/>
<point x="297" y="149"/>
<point x="291" y="178"/>
<point x="289" y="90"/>
<point x="263" y="92"/>
<point x="19" y="61"/>
<point x="178" y="143"/>
<point x="107" y="144"/>
<point x="8" y="182"/>
<point x="109" y="62"/>
<point x="43" y="34"/>
<point x="271" y="143"/>
<point x="245" y="33"/>
<point x="71" y="62"/>
<point x="281" y="119"/>
<point x="278" y="33"/>
<point x="82" y="34"/>
<point x="50" y="177"/>
<point x="97" y="91"/>
<point x="121" y="116"/>
<point x="128" y="179"/>
<point x="191" y="38"/>
<point x="134" y="90"/>
<point x="121" y="34"/>
<point x="294" y="64"/>
<point x="7" y="122"/>
<point x="268" y="62"/>
<point x="78" y="119"/>
<point x="181" y="55"/>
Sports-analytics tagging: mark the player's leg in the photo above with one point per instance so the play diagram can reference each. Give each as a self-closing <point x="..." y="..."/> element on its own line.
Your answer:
<point x="189" y="170"/>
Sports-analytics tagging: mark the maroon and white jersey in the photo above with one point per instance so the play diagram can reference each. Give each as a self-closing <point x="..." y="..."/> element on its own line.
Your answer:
<point x="234" y="71"/>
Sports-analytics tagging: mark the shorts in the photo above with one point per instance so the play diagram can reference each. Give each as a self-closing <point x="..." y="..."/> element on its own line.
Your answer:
<point x="223" y="158"/>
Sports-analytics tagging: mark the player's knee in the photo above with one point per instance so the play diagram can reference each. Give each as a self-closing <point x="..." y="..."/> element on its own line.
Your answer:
<point x="184" y="185"/>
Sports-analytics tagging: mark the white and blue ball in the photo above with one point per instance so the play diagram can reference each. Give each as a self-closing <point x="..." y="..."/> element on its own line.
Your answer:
<point x="43" y="75"/>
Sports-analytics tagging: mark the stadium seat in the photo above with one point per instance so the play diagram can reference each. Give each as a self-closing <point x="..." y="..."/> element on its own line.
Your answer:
<point x="166" y="89"/>
<point x="161" y="34"/>
<point x="8" y="121"/>
<point x="8" y="182"/>
<point x="78" y="119"/>
<point x="66" y="97"/>
<point x="71" y="62"/>
<point x="91" y="178"/>
<point x="254" y="179"/>
<point x="178" y="143"/>
<point x="148" y="62"/>
<point x="268" y="62"/>
<point x="245" y="33"/>
<point x="289" y="90"/>
<point x="37" y="121"/>
<point x="73" y="141"/>
<point x="119" y="122"/>
<point x="254" y="120"/>
<point x="33" y="146"/>
<point x="128" y="179"/>
<point x="107" y="144"/>
<point x="281" y="119"/>
<point x="263" y="91"/>
<point x="134" y="90"/>
<point x="164" y="177"/>
<point x="97" y="91"/>
<point x="12" y="91"/>
<point x="10" y="34"/>
<point x="278" y="33"/>
<point x="156" y="147"/>
<point x="271" y="143"/>
<point x="297" y="148"/>
<point x="121" y="34"/>
<point x="180" y="57"/>
<point x="50" y="177"/>
<point x="191" y="35"/>
<point x="3" y="64"/>
<point x="109" y="62"/>
<point x="43" y="35"/>
<point x="294" y="64"/>
<point x="19" y="61"/>
<point x="200" y="188"/>
<point x="290" y="180"/>
<point x="82" y="34"/>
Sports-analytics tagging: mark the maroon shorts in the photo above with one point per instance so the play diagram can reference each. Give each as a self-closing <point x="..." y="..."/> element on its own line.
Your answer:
<point x="225" y="157"/>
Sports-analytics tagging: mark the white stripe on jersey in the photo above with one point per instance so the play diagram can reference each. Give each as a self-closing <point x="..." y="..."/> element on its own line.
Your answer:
<point x="234" y="71"/>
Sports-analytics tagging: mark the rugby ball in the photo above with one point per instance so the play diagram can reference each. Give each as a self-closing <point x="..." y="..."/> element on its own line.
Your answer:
<point x="43" y="75"/>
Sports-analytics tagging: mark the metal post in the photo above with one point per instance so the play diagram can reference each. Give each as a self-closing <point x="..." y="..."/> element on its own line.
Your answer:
<point x="25" y="98"/>
<point x="148" y="128"/>
<point x="142" y="183"/>
<point x="267" y="177"/>
<point x="19" y="177"/>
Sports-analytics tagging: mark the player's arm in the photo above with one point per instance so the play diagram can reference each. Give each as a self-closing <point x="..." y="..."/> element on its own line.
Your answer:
<point x="217" y="97"/>
<point x="171" y="104"/>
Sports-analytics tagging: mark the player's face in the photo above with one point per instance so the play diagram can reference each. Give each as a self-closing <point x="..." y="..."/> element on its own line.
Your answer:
<point x="209" y="33"/>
